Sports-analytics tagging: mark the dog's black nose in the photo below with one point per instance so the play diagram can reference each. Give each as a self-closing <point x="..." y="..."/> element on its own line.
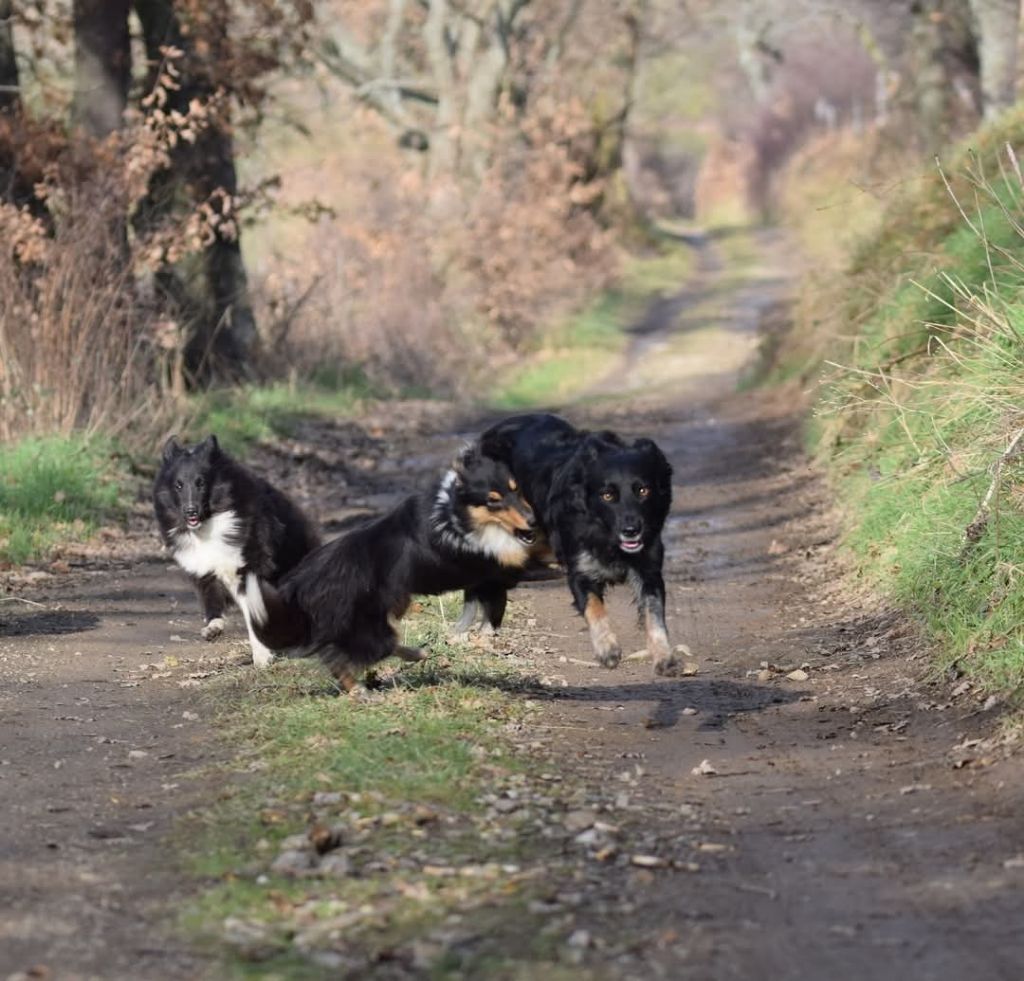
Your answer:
<point x="632" y="529"/>
<point x="191" y="512"/>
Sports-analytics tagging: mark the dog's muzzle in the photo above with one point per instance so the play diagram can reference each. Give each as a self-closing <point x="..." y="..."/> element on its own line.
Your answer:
<point x="631" y="542"/>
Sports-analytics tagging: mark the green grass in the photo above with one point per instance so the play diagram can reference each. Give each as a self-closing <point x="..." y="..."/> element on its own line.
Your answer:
<point x="929" y="395"/>
<point x="251" y="414"/>
<point x="431" y="744"/>
<point x="579" y="352"/>
<point x="54" y="490"/>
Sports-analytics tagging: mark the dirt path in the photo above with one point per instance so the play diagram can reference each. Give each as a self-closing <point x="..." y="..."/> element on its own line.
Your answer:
<point x="852" y="828"/>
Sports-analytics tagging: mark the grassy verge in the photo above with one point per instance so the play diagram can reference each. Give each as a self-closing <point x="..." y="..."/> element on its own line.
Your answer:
<point x="432" y="845"/>
<point x="925" y="397"/>
<point x="52" y="491"/>
<point x="249" y="414"/>
<point x="580" y="352"/>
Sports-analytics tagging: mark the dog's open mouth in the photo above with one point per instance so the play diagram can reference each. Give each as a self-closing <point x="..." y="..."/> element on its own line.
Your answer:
<point x="526" y="537"/>
<point x="630" y="544"/>
<point x="192" y="520"/>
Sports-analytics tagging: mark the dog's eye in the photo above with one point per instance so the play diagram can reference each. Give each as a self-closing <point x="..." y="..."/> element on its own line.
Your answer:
<point x="608" y="495"/>
<point x="178" y="485"/>
<point x="494" y="501"/>
<point x="643" y="492"/>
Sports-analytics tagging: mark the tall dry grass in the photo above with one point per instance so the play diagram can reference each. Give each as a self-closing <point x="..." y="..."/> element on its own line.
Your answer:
<point x="77" y="346"/>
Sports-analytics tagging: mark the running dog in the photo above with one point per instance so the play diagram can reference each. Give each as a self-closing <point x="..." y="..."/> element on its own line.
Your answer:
<point x="602" y="502"/>
<point x="343" y="602"/>
<point x="225" y="526"/>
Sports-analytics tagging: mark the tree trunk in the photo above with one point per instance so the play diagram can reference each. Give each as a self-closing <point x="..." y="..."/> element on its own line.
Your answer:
<point x="9" y="99"/>
<point x="222" y="335"/>
<point x="102" y="65"/>
<point x="997" y="27"/>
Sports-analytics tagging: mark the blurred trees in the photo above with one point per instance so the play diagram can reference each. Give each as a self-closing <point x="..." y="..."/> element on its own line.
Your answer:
<point x="169" y="119"/>
<point x="451" y="78"/>
<point x="998" y="30"/>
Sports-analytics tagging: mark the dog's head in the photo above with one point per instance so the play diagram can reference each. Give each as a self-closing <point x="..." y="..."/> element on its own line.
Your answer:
<point x="185" y="485"/>
<point x="491" y="496"/>
<point x="624" y="488"/>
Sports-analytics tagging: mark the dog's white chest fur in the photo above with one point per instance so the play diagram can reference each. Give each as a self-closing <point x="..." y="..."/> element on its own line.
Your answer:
<point x="212" y="549"/>
<point x="497" y="543"/>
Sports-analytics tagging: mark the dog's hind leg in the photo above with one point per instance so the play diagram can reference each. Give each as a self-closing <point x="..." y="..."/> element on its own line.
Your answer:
<point x="493" y="600"/>
<point x="213" y="598"/>
<point x="472" y="613"/>
<point x="411" y="654"/>
<point x="254" y="610"/>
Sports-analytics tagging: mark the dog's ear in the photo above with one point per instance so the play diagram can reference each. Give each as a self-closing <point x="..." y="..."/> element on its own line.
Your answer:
<point x="172" y="449"/>
<point x="465" y="460"/>
<point x="497" y="445"/>
<point x="659" y="463"/>
<point x="569" y="488"/>
<point x="209" y="446"/>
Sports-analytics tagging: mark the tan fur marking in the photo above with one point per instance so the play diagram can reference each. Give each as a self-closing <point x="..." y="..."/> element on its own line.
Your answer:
<point x="602" y="637"/>
<point x="512" y="485"/>
<point x="346" y="679"/>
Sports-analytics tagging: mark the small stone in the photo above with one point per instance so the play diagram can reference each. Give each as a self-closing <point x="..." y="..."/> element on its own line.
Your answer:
<point x="579" y="938"/>
<point x="648" y="861"/>
<point x="798" y="675"/>
<point x="137" y="754"/>
<point x="327" y="798"/>
<point x="505" y="805"/>
<point x="704" y="769"/>
<point x="576" y="821"/>
<point x="689" y="710"/>
<point x="190" y="716"/>
<point x="335" y="866"/>
<point x="292" y="864"/>
<point x="251" y="941"/>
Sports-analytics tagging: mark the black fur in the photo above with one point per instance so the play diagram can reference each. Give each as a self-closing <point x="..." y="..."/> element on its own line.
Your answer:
<point x="195" y="489"/>
<point x="602" y="502"/>
<point x="342" y="602"/>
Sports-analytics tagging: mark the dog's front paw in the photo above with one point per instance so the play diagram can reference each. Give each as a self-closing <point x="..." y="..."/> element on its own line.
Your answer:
<point x="608" y="652"/>
<point x="213" y="629"/>
<point x="262" y="657"/>
<point x="667" y="665"/>
<point x="665" y="661"/>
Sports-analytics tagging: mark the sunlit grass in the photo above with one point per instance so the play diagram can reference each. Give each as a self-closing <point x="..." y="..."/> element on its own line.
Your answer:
<point x="578" y="353"/>
<point x="54" y="490"/>
<point x="433" y="737"/>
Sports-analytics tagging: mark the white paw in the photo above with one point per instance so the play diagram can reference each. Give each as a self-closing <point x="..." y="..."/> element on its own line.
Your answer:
<point x="262" y="657"/>
<point x="213" y="629"/>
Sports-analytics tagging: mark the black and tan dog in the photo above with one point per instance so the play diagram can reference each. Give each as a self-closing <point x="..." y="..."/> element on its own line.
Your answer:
<point x="602" y="502"/>
<point x="343" y="601"/>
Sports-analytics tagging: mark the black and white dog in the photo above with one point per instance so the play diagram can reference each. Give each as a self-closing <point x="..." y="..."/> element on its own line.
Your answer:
<point x="602" y="502"/>
<point x="342" y="602"/>
<point x="226" y="526"/>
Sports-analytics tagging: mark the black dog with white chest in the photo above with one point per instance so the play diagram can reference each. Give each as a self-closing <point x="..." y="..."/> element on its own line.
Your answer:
<point x="226" y="526"/>
<point x="602" y="502"/>
<point x="343" y="602"/>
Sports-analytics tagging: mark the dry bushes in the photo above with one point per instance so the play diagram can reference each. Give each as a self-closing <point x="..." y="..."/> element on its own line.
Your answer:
<point x="85" y="343"/>
<point x="73" y="338"/>
<point x="431" y="284"/>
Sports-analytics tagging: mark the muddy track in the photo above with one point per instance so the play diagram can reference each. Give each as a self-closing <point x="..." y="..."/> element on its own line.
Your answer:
<point x="841" y="817"/>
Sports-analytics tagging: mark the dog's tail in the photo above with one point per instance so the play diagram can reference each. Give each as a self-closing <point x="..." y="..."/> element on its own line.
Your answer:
<point x="283" y="625"/>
